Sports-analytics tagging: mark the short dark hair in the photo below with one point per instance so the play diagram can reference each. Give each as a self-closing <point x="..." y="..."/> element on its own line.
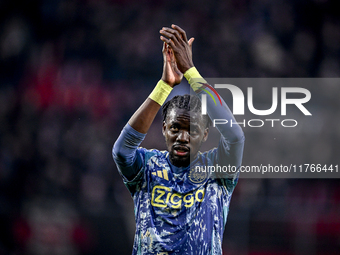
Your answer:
<point x="187" y="102"/>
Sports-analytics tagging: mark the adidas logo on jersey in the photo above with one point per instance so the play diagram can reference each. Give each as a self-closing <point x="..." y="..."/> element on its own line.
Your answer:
<point x="162" y="174"/>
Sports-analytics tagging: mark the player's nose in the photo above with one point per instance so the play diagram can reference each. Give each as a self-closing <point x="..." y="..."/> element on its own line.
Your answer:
<point x="183" y="136"/>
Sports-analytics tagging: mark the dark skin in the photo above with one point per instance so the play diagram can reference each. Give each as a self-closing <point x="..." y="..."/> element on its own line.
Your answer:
<point x="177" y="55"/>
<point x="142" y="119"/>
<point x="184" y="132"/>
<point x="176" y="38"/>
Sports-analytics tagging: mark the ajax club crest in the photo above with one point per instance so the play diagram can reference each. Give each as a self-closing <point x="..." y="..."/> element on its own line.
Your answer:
<point x="196" y="176"/>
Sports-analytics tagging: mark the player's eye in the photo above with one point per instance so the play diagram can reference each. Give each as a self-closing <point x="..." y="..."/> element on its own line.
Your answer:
<point x="174" y="128"/>
<point x="193" y="130"/>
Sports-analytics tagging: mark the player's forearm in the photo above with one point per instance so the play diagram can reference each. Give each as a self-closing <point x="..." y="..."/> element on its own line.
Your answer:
<point x="230" y="149"/>
<point x="232" y="133"/>
<point x="125" y="148"/>
<point x="142" y="119"/>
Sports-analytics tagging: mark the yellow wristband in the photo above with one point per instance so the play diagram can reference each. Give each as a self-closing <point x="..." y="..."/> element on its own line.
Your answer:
<point x="194" y="78"/>
<point x="160" y="92"/>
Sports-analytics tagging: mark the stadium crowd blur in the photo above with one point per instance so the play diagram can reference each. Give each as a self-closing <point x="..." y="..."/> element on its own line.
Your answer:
<point x="73" y="72"/>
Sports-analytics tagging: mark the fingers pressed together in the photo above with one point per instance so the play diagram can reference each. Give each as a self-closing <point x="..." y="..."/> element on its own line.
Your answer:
<point x="173" y="36"/>
<point x="176" y="40"/>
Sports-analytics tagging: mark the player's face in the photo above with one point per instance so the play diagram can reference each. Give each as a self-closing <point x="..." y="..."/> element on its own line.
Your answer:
<point x="184" y="132"/>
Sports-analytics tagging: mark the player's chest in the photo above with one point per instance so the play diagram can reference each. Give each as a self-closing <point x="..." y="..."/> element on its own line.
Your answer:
<point x="168" y="191"/>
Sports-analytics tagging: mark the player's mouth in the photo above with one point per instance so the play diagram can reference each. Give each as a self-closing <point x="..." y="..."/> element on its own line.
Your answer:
<point x="181" y="151"/>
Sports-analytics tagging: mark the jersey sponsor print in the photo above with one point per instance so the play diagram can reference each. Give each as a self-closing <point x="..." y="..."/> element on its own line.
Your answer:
<point x="182" y="211"/>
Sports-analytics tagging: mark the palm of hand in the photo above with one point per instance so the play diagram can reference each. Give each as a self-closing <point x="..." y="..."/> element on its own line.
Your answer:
<point x="171" y="74"/>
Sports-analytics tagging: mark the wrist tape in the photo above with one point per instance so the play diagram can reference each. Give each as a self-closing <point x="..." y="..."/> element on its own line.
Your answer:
<point x="194" y="78"/>
<point x="160" y="92"/>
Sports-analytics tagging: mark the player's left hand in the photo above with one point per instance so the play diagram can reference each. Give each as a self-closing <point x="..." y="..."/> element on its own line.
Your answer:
<point x="176" y="38"/>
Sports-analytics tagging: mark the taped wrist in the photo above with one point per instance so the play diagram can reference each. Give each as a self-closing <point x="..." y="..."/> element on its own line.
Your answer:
<point x="160" y="92"/>
<point x="194" y="78"/>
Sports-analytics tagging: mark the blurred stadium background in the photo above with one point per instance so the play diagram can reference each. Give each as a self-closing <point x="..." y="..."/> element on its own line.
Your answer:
<point x="73" y="71"/>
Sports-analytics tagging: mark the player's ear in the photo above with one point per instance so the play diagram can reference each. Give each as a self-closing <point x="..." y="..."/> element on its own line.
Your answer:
<point x="205" y="135"/>
<point x="163" y="128"/>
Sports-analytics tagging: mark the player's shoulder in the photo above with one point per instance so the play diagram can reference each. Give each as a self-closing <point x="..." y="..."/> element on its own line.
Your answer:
<point x="210" y="154"/>
<point x="152" y="153"/>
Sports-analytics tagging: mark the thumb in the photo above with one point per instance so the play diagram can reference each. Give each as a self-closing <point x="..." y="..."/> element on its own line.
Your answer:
<point x="164" y="47"/>
<point x="191" y="40"/>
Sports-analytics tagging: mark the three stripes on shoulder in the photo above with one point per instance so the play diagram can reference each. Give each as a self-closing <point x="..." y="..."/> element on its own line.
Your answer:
<point x="162" y="174"/>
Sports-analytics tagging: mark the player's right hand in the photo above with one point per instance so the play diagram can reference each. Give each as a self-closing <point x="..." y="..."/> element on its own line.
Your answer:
<point x="171" y="75"/>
